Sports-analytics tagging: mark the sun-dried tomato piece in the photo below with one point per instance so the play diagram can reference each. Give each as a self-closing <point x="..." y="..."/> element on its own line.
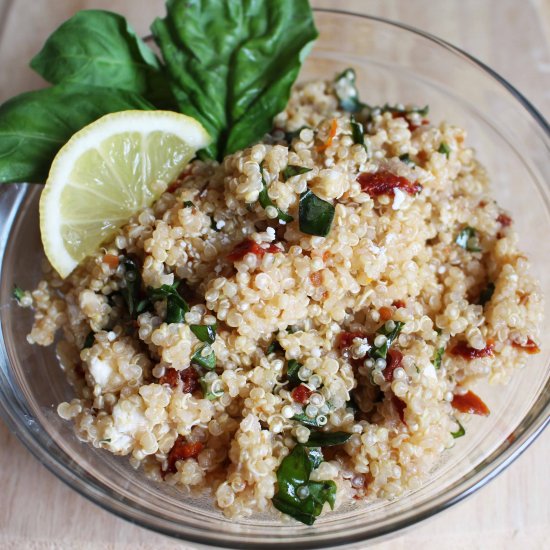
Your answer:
<point x="251" y="247"/>
<point x="181" y="450"/>
<point x="385" y="183"/>
<point x="345" y="339"/>
<point x="462" y="349"/>
<point x="399" y="303"/>
<point x="504" y="220"/>
<point x="170" y="377"/>
<point x="400" y="407"/>
<point x="470" y="403"/>
<point x="301" y="394"/>
<point x="529" y="347"/>
<point x="393" y="361"/>
<point x="191" y="380"/>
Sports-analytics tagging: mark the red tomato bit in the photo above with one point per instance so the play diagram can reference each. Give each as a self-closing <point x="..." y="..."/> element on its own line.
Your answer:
<point x="400" y="407"/>
<point x="470" y="403"/>
<point x="393" y="361"/>
<point x="189" y="377"/>
<point x="462" y="349"/>
<point x="182" y="450"/>
<point x="530" y="347"/>
<point x="170" y="377"/>
<point x="385" y="183"/>
<point x="301" y="394"/>
<point x="345" y="339"/>
<point x="399" y="303"/>
<point x="251" y="247"/>
<point x="504" y="220"/>
<point x="111" y="260"/>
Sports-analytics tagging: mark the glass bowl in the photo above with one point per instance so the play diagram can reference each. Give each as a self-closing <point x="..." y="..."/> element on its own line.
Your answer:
<point x="394" y="63"/>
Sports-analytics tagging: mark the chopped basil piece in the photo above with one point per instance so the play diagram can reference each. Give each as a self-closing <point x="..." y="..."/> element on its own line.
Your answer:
<point x="444" y="149"/>
<point x="265" y="201"/>
<point x="304" y="419"/>
<point x="289" y="136"/>
<point x="89" y="341"/>
<point x="381" y="351"/>
<point x="326" y="439"/>
<point x="205" y="333"/>
<point x="292" y="373"/>
<point x="387" y="108"/>
<point x="188" y="204"/>
<point x="460" y="432"/>
<point x="316" y="215"/>
<point x="357" y="132"/>
<point x="468" y="240"/>
<point x="486" y="294"/>
<point x="407" y="159"/>
<point x="438" y="357"/>
<point x="346" y="92"/>
<point x="18" y="293"/>
<point x="293" y="170"/>
<point x="208" y="391"/>
<point x="132" y="291"/>
<point x="205" y="357"/>
<point x="176" y="306"/>
<point x="296" y="495"/>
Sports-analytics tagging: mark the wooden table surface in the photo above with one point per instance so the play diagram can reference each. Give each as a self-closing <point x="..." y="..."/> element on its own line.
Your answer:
<point x="39" y="512"/>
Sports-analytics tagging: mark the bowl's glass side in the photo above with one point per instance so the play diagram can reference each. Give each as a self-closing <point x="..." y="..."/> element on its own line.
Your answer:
<point x="393" y="65"/>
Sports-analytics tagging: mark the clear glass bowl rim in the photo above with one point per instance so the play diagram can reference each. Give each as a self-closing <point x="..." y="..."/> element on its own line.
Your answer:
<point x="13" y="415"/>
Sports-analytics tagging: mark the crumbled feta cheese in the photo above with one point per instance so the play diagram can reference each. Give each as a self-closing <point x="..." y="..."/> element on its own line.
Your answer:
<point x="100" y="370"/>
<point x="398" y="199"/>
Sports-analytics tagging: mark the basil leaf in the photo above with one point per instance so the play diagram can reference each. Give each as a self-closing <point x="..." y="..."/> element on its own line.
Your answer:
<point x="90" y="339"/>
<point x="304" y="419"/>
<point x="100" y="48"/>
<point x="407" y="159"/>
<point x="208" y="360"/>
<point x="467" y="239"/>
<point x="486" y="294"/>
<point x="232" y="64"/>
<point x="205" y="333"/>
<point x="207" y="390"/>
<point x="357" y="132"/>
<point x="176" y="306"/>
<point x="346" y="92"/>
<point x="265" y="201"/>
<point x="326" y="439"/>
<point x="438" y="357"/>
<point x="444" y="149"/>
<point x="35" y="125"/>
<point x="391" y="335"/>
<point x="293" y="170"/>
<point x="321" y="492"/>
<point x="132" y="291"/>
<point x="292" y="373"/>
<point x="316" y="215"/>
<point x="460" y="432"/>
<point x="18" y="293"/>
<point x="289" y="136"/>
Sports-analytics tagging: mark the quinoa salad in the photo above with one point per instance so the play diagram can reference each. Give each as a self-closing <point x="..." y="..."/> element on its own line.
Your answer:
<point x="322" y="302"/>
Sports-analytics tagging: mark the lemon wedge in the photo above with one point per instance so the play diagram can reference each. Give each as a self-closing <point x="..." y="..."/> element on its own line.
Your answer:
<point x="106" y="173"/>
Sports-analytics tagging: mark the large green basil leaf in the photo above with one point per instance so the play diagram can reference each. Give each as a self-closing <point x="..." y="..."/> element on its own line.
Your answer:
<point x="100" y="48"/>
<point x="35" y="125"/>
<point x="233" y="63"/>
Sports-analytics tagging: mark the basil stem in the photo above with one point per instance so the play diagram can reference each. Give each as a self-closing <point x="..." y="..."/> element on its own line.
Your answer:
<point x="326" y="439"/>
<point x="460" y="432"/>
<point x="316" y="215"/>
<point x="205" y="333"/>
<point x="296" y="495"/>
<point x="381" y="351"/>
<point x="294" y="170"/>
<point x="205" y="357"/>
<point x="468" y="239"/>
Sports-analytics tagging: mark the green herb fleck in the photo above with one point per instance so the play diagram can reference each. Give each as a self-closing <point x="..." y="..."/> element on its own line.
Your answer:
<point x="293" y="170"/>
<point x="327" y="439"/>
<point x="444" y="149"/>
<point x="89" y="341"/>
<point x="381" y="351"/>
<point x="387" y="108"/>
<point x="273" y="347"/>
<point x="438" y="357"/>
<point x="292" y="373"/>
<point x="188" y="204"/>
<point x="296" y="495"/>
<point x="205" y="333"/>
<point x="468" y="239"/>
<point x="316" y="215"/>
<point x="207" y="390"/>
<point x="407" y="159"/>
<point x="486" y="294"/>
<point x="18" y="293"/>
<point x="176" y="306"/>
<point x="205" y="357"/>
<point x="460" y="432"/>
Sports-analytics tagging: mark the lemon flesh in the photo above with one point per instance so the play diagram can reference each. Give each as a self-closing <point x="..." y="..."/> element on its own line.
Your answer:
<point x="106" y="173"/>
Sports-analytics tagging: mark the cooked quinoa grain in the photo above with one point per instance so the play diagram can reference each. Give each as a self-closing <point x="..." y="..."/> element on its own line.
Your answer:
<point x="379" y="330"/>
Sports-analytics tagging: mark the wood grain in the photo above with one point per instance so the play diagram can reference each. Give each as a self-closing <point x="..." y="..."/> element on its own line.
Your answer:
<point x="38" y="512"/>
